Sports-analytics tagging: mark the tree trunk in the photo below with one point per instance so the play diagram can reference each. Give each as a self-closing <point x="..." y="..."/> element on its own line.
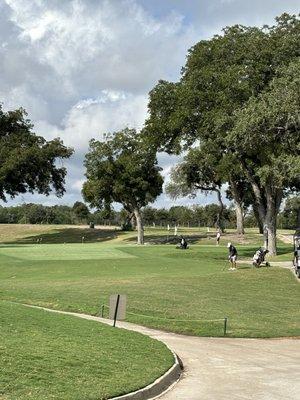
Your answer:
<point x="132" y="220"/>
<point x="238" y="207"/>
<point x="258" y="219"/>
<point x="273" y="198"/>
<point x="219" y="222"/>
<point x="139" y="226"/>
<point x="268" y="199"/>
<point x="260" y="204"/>
<point x="239" y="219"/>
<point x="270" y="240"/>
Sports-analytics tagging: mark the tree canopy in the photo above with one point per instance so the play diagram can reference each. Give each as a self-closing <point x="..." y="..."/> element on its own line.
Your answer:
<point x="28" y="162"/>
<point x="81" y="211"/>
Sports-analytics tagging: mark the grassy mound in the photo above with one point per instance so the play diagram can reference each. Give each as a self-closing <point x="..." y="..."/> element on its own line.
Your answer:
<point x="50" y="356"/>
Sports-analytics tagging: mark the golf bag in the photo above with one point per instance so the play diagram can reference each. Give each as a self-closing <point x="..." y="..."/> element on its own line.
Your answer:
<point x="183" y="244"/>
<point x="259" y="257"/>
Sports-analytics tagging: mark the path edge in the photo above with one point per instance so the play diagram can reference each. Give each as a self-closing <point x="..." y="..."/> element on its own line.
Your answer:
<point x="160" y="386"/>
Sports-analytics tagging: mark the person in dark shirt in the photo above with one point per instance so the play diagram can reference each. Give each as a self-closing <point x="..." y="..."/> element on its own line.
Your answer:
<point x="232" y="256"/>
<point x="183" y="243"/>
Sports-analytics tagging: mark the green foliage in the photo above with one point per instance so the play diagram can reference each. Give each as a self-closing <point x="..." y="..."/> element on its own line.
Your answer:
<point x="126" y="226"/>
<point x="272" y="121"/>
<point x="238" y="102"/>
<point x="38" y="214"/>
<point x="28" y="162"/>
<point x="193" y="216"/>
<point x="220" y="76"/>
<point x="180" y="214"/>
<point x="290" y="217"/>
<point x="121" y="170"/>
<point x="200" y="170"/>
<point x="81" y="211"/>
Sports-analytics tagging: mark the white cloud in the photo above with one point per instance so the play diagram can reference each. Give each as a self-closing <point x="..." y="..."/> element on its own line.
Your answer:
<point x="101" y="45"/>
<point x="91" y="118"/>
<point x="84" y="67"/>
<point x="77" y="184"/>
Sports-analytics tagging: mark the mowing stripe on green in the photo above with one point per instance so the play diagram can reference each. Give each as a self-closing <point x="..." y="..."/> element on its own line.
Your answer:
<point x="66" y="251"/>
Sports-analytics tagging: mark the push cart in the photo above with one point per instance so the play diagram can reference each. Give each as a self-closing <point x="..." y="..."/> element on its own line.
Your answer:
<point x="296" y="261"/>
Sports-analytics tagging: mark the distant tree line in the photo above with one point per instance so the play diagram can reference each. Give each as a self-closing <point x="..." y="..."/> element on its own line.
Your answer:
<point x="40" y="214"/>
<point x="193" y="216"/>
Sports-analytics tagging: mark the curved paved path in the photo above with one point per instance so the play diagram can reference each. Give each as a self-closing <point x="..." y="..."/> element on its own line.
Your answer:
<point x="228" y="368"/>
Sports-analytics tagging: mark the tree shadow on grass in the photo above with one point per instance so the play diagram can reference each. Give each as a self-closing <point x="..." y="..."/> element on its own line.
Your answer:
<point x="167" y="239"/>
<point x="70" y="235"/>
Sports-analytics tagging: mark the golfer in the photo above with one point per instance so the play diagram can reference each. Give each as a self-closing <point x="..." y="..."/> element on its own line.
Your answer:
<point x="183" y="243"/>
<point x="232" y="256"/>
<point x="218" y="237"/>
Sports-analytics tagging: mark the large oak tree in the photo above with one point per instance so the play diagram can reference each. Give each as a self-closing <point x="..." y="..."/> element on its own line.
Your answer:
<point x="266" y="141"/>
<point x="220" y="77"/>
<point x="122" y="170"/>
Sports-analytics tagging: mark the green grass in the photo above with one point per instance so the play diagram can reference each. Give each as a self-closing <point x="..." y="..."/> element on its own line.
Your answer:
<point x="162" y="283"/>
<point x="46" y="252"/>
<point x="50" y="356"/>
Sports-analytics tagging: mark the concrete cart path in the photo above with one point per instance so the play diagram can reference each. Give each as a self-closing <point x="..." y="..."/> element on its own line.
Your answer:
<point x="228" y="368"/>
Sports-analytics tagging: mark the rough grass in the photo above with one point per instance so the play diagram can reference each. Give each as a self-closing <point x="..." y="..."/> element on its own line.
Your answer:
<point x="50" y="356"/>
<point x="29" y="234"/>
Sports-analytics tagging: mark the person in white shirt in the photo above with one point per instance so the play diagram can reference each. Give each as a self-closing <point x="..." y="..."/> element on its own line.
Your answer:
<point x="218" y="237"/>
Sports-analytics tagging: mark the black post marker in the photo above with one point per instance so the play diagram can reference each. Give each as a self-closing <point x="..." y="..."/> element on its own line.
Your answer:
<point x="116" y="310"/>
<point x="225" y="325"/>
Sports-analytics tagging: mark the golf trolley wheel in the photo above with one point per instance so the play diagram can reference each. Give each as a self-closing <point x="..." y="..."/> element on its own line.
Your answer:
<point x="268" y="264"/>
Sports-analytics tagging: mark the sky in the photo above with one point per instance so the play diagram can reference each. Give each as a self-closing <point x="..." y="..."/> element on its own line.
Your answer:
<point x="82" y="68"/>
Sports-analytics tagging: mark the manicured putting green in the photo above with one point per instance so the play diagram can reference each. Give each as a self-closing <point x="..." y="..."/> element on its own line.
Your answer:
<point x="49" y="356"/>
<point x="85" y="251"/>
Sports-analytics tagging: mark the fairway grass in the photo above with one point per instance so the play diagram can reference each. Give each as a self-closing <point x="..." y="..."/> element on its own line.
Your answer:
<point x="187" y="292"/>
<point x="49" y="356"/>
